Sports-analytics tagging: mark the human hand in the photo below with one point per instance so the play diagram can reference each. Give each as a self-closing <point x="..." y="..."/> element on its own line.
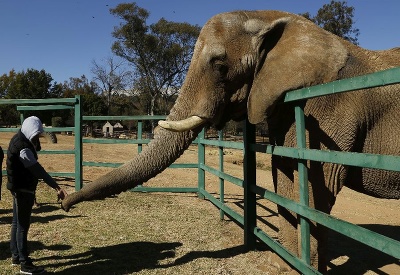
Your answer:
<point x="61" y="194"/>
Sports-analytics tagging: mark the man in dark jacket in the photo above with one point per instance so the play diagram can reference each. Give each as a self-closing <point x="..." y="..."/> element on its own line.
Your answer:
<point x="23" y="173"/>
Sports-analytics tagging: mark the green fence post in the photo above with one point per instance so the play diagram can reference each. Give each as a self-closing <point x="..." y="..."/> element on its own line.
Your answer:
<point x="78" y="143"/>
<point x="303" y="182"/>
<point x="249" y="166"/>
<point x="21" y="117"/>
<point x="140" y="135"/>
<point x="221" y="180"/>
<point x="201" y="178"/>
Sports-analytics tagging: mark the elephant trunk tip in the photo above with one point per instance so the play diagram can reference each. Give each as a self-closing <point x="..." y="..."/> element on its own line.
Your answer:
<point x="70" y="200"/>
<point x="65" y="206"/>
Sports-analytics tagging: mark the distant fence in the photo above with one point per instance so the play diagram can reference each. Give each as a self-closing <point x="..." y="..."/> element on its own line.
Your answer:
<point x="23" y="105"/>
<point x="140" y="140"/>
<point x="249" y="185"/>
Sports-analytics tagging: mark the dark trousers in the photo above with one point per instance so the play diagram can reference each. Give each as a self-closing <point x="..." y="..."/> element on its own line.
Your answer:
<point x="22" y="210"/>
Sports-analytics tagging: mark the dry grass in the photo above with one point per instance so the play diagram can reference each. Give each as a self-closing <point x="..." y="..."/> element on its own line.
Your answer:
<point x="130" y="234"/>
<point x="134" y="233"/>
<point x="158" y="233"/>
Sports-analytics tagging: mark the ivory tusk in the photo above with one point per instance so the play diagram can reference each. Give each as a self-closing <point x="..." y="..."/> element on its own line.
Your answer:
<point x="182" y="125"/>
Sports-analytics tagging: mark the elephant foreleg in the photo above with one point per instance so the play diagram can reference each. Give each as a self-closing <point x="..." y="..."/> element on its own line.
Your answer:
<point x="285" y="179"/>
<point x="284" y="185"/>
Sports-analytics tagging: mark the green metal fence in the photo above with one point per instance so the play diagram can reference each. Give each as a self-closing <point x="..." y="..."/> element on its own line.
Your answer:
<point x="252" y="233"/>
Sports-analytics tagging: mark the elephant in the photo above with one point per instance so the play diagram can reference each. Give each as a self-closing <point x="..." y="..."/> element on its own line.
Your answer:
<point x="243" y="64"/>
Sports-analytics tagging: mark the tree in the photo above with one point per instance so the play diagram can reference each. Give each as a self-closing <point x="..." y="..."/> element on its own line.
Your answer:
<point x="337" y="18"/>
<point x="160" y="53"/>
<point x="28" y="84"/>
<point x="112" y="76"/>
<point x="92" y="103"/>
<point x="25" y="85"/>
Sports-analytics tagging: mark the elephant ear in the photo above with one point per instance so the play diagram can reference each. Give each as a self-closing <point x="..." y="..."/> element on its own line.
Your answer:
<point x="293" y="53"/>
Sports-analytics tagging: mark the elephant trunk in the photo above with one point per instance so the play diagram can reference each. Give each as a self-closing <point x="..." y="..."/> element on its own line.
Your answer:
<point x="166" y="147"/>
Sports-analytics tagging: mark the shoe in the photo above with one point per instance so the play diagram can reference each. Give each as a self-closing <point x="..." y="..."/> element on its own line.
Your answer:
<point x="15" y="261"/>
<point x="29" y="268"/>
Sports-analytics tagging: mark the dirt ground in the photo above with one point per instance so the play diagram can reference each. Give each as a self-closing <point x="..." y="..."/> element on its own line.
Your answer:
<point x="227" y="254"/>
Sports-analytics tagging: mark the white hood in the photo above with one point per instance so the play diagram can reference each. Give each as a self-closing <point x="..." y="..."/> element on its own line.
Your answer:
<point x="31" y="127"/>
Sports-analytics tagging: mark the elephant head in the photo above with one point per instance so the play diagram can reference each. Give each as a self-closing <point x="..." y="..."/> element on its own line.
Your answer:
<point x="243" y="63"/>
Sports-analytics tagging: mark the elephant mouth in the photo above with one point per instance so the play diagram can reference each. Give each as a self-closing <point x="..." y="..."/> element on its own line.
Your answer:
<point x="187" y="124"/>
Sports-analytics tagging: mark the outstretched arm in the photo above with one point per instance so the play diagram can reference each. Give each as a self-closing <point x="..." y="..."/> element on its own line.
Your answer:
<point x="38" y="171"/>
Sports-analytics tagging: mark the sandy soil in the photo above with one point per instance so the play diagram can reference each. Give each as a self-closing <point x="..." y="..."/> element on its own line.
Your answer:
<point x="346" y="255"/>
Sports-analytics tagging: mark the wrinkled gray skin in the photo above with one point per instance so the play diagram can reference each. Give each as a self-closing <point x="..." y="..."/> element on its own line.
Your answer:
<point x="243" y="64"/>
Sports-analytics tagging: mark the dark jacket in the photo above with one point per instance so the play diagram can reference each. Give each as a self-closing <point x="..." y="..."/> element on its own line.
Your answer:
<point x="18" y="176"/>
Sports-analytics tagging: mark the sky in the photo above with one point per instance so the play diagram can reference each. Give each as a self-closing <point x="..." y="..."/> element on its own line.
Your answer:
<point x="64" y="37"/>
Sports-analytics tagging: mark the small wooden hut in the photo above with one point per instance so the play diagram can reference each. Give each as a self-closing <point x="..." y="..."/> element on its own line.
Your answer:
<point x="108" y="130"/>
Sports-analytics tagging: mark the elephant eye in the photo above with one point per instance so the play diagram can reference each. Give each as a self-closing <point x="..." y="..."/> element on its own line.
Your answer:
<point x="221" y="68"/>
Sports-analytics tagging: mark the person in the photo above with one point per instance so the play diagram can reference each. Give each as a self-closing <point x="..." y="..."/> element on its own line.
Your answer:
<point x="23" y="173"/>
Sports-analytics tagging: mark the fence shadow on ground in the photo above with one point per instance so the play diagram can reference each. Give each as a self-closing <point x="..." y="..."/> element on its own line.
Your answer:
<point x="360" y="257"/>
<point x="134" y="257"/>
<point x="219" y="254"/>
<point x="116" y="259"/>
